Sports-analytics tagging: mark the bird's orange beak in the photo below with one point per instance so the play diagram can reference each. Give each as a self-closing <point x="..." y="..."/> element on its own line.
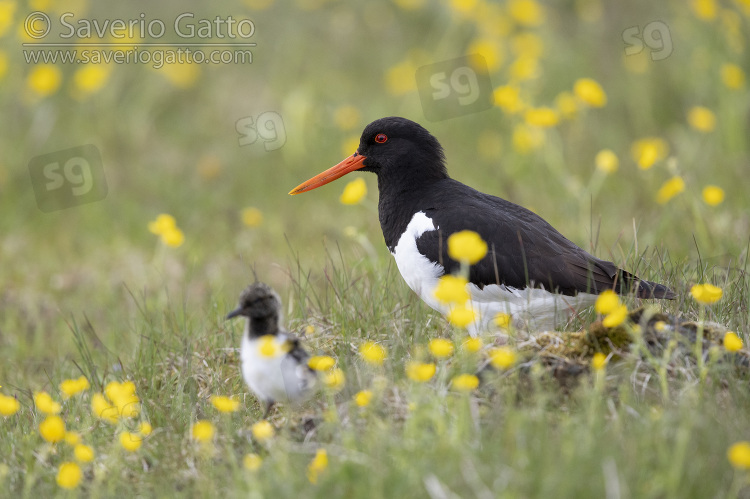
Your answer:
<point x="353" y="162"/>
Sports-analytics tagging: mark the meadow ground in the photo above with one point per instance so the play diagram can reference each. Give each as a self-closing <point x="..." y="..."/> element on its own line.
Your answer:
<point x="609" y="120"/>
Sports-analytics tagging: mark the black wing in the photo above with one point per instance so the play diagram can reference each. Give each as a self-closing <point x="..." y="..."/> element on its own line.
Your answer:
<point x="523" y="249"/>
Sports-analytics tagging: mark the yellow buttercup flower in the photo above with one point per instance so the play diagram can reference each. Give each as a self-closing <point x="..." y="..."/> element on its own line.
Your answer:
<point x="463" y="7"/>
<point x="713" y="195"/>
<point x="145" y="428"/>
<point x="466" y="246"/>
<point x="131" y="442"/>
<point x="7" y="12"/>
<point x="704" y="9"/>
<point x="70" y="387"/>
<point x="733" y="76"/>
<point x="616" y="317"/>
<point x="420" y="371"/>
<point x="508" y="98"/>
<point x="317" y="466"/>
<point x="103" y="409"/>
<point x="363" y="398"/>
<point x="461" y="316"/>
<point x="203" y="431"/>
<point x="590" y="92"/>
<point x="52" y="429"/>
<point x="334" y="379"/>
<point x="503" y="320"/>
<point x="251" y="217"/>
<point x="526" y="12"/>
<point x="441" y="348"/>
<point x="732" y="342"/>
<point x="173" y="238"/>
<point x="44" y="79"/>
<point x="702" y="119"/>
<point x="263" y="430"/>
<point x="472" y="345"/>
<point x="252" y="462"/>
<point x="607" y="302"/>
<point x="163" y="223"/>
<point x="606" y="161"/>
<point x="524" y="68"/>
<point x="527" y="44"/>
<point x="599" y="361"/>
<point x="8" y="405"/>
<point x="91" y="78"/>
<point x="83" y="453"/>
<point x="321" y="362"/>
<point x="354" y="192"/>
<point x="123" y="397"/>
<point x="647" y="151"/>
<point x="268" y="347"/>
<point x="452" y="289"/>
<point x="739" y="455"/>
<point x="526" y="138"/>
<point x="225" y="404"/>
<point x="69" y="475"/>
<point x="543" y="117"/>
<point x="44" y="403"/>
<point x="670" y="189"/>
<point x="399" y="79"/>
<point x="465" y="382"/>
<point x="373" y="353"/>
<point x="490" y="50"/>
<point x="503" y="358"/>
<point x="706" y="294"/>
<point x="346" y="118"/>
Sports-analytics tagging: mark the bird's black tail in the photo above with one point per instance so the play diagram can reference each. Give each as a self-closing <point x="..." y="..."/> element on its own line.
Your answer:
<point x="644" y="289"/>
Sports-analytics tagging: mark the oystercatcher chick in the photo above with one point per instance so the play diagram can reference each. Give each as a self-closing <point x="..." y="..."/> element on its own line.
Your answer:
<point x="531" y="271"/>
<point x="274" y="364"/>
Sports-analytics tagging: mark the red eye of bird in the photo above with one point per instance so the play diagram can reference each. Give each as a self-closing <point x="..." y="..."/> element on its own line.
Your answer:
<point x="380" y="138"/>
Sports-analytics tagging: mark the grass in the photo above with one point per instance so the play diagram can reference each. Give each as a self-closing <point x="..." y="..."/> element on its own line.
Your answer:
<point x="88" y="290"/>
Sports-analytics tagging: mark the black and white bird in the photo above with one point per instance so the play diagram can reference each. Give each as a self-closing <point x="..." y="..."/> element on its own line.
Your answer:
<point x="531" y="271"/>
<point x="274" y="364"/>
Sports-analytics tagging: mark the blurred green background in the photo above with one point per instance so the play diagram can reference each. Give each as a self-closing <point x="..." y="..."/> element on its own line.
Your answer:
<point x="169" y="143"/>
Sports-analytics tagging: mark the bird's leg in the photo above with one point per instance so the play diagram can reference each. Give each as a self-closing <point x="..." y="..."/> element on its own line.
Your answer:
<point x="269" y="406"/>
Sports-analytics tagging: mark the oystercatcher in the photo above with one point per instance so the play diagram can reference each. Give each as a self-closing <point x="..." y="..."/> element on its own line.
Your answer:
<point x="531" y="271"/>
<point x="274" y="364"/>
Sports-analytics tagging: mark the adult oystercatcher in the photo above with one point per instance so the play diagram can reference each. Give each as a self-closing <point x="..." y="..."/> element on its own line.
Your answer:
<point x="531" y="271"/>
<point x="274" y="364"/>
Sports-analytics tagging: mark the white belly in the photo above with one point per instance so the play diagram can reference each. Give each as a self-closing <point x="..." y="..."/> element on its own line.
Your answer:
<point x="277" y="378"/>
<point x="531" y="308"/>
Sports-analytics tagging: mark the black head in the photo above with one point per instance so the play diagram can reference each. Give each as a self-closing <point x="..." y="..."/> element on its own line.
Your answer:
<point x="393" y="148"/>
<point x="258" y="301"/>
<point x="396" y="143"/>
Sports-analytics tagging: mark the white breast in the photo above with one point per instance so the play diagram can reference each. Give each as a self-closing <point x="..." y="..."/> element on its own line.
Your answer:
<point x="531" y="308"/>
<point x="276" y="378"/>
